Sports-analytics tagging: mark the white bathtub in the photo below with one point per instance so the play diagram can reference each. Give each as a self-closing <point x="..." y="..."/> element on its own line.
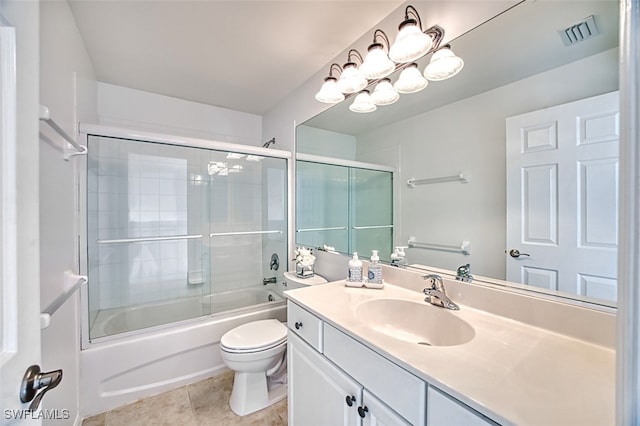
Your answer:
<point x="120" y="370"/>
<point x="109" y="322"/>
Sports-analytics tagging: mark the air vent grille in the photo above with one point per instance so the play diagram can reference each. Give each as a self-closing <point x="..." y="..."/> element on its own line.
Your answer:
<point x="579" y="32"/>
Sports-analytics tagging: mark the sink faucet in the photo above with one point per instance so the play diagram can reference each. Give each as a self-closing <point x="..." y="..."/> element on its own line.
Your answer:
<point x="436" y="294"/>
<point x="464" y="273"/>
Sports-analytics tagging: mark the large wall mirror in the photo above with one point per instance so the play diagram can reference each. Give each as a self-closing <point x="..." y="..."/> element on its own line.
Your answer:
<point x="522" y="90"/>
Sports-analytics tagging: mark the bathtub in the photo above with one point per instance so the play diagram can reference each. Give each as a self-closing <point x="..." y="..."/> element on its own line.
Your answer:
<point x="109" y="322"/>
<point x="119" y="370"/>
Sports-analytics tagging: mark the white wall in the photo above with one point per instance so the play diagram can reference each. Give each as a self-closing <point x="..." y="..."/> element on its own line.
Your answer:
<point x="135" y="109"/>
<point x="67" y="88"/>
<point x="468" y="136"/>
<point x="326" y="143"/>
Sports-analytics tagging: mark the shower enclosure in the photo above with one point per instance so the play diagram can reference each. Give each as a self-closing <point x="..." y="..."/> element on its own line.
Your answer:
<point x="176" y="232"/>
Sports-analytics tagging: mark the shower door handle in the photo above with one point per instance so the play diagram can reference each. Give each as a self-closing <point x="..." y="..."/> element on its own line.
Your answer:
<point x="35" y="380"/>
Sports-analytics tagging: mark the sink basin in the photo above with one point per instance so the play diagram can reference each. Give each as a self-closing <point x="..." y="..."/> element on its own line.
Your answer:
<point x="412" y="322"/>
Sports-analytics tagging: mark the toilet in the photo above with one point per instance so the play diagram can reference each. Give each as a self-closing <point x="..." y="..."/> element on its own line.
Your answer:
<point x="256" y="352"/>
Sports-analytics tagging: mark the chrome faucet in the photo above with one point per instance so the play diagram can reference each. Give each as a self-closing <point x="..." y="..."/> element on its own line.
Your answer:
<point x="436" y="294"/>
<point x="271" y="280"/>
<point x="463" y="273"/>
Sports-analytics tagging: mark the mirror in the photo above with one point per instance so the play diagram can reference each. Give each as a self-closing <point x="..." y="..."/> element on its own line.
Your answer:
<point x="515" y="63"/>
<point x="346" y="205"/>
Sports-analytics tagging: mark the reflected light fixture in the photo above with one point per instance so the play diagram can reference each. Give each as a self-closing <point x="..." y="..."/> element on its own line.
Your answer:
<point x="410" y="80"/>
<point x="351" y="80"/>
<point x="363" y="103"/>
<point x="444" y="64"/>
<point x="411" y="43"/>
<point x="384" y="93"/>
<point x="329" y="92"/>
<point x="377" y="64"/>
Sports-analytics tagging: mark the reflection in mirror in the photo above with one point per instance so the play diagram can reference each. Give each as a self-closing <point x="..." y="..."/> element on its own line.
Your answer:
<point x="347" y="206"/>
<point x="517" y="66"/>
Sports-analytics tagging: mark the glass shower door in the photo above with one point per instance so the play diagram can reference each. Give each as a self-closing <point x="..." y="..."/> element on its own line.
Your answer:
<point x="322" y="205"/>
<point x="145" y="242"/>
<point x="247" y="227"/>
<point x="371" y="212"/>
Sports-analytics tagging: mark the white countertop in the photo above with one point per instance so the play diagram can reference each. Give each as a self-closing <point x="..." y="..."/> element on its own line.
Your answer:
<point x="510" y="371"/>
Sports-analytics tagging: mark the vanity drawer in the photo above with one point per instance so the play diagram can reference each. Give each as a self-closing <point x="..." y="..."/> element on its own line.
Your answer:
<point x="399" y="389"/>
<point x="305" y="324"/>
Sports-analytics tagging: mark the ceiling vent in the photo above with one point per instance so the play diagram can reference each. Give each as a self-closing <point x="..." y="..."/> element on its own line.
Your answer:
<point x="581" y="31"/>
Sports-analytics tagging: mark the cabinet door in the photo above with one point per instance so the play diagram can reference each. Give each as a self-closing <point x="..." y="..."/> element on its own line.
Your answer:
<point x="376" y="413"/>
<point x="318" y="390"/>
<point x="443" y="410"/>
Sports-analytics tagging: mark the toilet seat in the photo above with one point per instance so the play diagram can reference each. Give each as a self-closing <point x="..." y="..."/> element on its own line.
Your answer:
<point x="256" y="336"/>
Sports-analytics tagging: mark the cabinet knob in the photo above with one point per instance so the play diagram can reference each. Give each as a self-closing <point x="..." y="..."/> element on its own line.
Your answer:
<point x="362" y="411"/>
<point x="350" y="400"/>
<point x="298" y="325"/>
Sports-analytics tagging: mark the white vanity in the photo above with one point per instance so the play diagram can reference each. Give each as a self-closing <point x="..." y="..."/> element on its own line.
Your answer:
<point x="385" y="357"/>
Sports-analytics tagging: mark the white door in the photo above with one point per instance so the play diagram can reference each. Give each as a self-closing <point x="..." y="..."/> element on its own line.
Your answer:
<point x="319" y="393"/>
<point x="19" y="327"/>
<point x="562" y="197"/>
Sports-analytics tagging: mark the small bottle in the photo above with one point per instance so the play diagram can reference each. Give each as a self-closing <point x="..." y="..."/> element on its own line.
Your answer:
<point x="355" y="271"/>
<point x="374" y="274"/>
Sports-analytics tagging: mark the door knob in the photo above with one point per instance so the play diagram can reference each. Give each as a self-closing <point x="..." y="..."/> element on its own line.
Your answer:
<point x="33" y="381"/>
<point x="516" y="253"/>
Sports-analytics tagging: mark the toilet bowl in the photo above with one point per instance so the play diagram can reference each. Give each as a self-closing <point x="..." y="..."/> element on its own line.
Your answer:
<point x="256" y="352"/>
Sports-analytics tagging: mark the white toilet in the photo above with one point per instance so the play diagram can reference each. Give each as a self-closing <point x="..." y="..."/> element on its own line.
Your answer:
<point x="256" y="352"/>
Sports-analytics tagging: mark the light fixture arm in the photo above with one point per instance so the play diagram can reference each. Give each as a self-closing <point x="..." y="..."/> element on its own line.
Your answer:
<point x="437" y="34"/>
<point x="354" y="52"/>
<point x="382" y="35"/>
<point x="410" y="12"/>
<point x="334" y="66"/>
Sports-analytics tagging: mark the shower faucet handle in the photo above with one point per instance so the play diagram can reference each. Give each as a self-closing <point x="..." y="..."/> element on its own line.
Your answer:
<point x="275" y="262"/>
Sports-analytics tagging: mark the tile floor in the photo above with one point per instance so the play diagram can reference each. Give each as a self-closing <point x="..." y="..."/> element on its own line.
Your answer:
<point x="204" y="403"/>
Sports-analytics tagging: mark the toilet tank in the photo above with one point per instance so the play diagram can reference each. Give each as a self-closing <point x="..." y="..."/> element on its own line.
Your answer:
<point x="293" y="281"/>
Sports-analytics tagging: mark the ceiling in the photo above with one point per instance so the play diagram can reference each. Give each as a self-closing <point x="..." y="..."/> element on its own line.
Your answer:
<point x="242" y="55"/>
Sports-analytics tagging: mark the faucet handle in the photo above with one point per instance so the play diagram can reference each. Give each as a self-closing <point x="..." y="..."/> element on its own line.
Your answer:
<point x="436" y="281"/>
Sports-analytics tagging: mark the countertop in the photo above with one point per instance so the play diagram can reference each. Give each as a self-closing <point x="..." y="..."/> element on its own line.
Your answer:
<point x="511" y="372"/>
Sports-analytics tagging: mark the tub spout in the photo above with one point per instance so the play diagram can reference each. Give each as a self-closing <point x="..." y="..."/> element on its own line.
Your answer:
<point x="271" y="280"/>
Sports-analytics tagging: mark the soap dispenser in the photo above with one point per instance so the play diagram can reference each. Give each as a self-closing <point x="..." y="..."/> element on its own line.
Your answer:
<point x="374" y="273"/>
<point x="355" y="272"/>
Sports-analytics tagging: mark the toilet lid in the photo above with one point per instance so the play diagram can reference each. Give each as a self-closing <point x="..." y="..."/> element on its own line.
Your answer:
<point x="254" y="335"/>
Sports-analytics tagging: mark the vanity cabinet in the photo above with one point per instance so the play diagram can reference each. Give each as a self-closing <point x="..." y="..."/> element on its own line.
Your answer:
<point x="319" y="393"/>
<point x="336" y="380"/>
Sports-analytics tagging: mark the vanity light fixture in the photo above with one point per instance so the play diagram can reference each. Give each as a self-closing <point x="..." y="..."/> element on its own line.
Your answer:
<point x="444" y="64"/>
<point x="363" y="103"/>
<point x="351" y="80"/>
<point x="329" y="92"/>
<point x="377" y="64"/>
<point x="410" y="80"/>
<point x="384" y="93"/>
<point x="411" y="43"/>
